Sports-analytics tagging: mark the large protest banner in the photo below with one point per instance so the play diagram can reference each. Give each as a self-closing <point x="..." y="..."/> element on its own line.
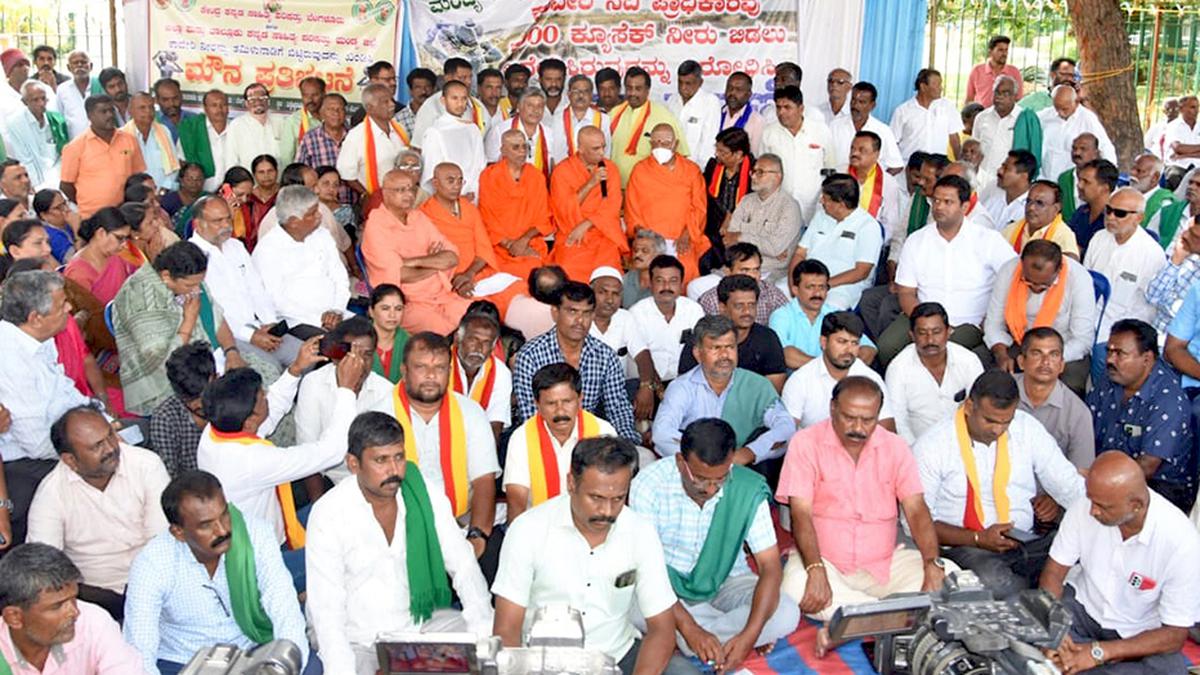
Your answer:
<point x="230" y="44"/>
<point x="723" y="36"/>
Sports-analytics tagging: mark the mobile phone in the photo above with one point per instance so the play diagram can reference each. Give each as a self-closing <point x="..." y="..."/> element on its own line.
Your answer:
<point x="334" y="351"/>
<point x="278" y="330"/>
<point x="1023" y="536"/>
<point x="131" y="434"/>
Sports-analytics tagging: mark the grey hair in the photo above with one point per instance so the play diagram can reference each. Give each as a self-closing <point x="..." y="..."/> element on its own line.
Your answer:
<point x="31" y="83"/>
<point x="580" y="77"/>
<point x="293" y="201"/>
<point x="1157" y="165"/>
<point x="712" y="326"/>
<point x="1074" y="92"/>
<point x="660" y="244"/>
<point x="28" y="292"/>
<point x="771" y="157"/>
<point x="31" y="568"/>
<point x="531" y="92"/>
<point x="405" y="154"/>
<point x="1003" y="78"/>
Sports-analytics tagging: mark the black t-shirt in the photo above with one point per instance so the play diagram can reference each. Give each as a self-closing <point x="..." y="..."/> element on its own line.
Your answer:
<point x="761" y="353"/>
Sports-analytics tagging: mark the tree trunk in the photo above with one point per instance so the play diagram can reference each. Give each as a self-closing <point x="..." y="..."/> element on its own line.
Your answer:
<point x="1104" y="47"/>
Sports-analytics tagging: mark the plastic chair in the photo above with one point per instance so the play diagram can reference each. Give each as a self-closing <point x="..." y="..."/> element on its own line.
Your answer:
<point x="362" y="266"/>
<point x="1103" y="291"/>
<point x="108" y="317"/>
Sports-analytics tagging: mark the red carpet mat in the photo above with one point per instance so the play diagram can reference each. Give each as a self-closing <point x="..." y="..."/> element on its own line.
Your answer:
<point x="796" y="654"/>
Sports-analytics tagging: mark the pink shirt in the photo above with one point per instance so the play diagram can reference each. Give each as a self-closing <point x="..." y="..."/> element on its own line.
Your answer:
<point x="979" y="84"/>
<point x="854" y="505"/>
<point x="96" y="649"/>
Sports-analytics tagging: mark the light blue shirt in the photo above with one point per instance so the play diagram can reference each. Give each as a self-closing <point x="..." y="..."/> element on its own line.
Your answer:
<point x="657" y="492"/>
<point x="173" y="608"/>
<point x="690" y="398"/>
<point x="1186" y="327"/>
<point x="152" y="155"/>
<point x="842" y="245"/>
<point x="36" y="392"/>
<point x="794" y="329"/>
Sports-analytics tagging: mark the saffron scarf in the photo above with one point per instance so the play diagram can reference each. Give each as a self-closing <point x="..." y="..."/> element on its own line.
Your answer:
<point x="427" y="586"/>
<point x="569" y="127"/>
<point x="476" y="114"/>
<point x="638" y="129"/>
<point x="973" y="512"/>
<point x="485" y="383"/>
<point x="871" y="195"/>
<point x="743" y="185"/>
<point x="162" y="138"/>
<point x="544" y="482"/>
<point x="391" y="369"/>
<point x="541" y="155"/>
<point x="1018" y="298"/>
<point x="241" y="573"/>
<point x="740" y="122"/>
<point x="371" y="162"/>
<point x="452" y="445"/>
<point x="743" y="491"/>
<point x="305" y="125"/>
<point x="918" y="212"/>
<point x="1018" y="240"/>
<point x="292" y="528"/>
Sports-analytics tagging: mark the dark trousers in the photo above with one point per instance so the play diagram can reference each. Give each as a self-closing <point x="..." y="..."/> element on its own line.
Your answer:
<point x="1085" y="630"/>
<point x="23" y="477"/>
<point x="1005" y="574"/>
<point x="489" y="562"/>
<point x="678" y="665"/>
<point x="113" y="603"/>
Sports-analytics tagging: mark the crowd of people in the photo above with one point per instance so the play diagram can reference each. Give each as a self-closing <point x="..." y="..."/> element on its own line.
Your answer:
<point x="693" y="366"/>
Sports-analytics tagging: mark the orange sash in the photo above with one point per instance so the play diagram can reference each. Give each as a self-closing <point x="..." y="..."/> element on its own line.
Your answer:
<point x="544" y="481"/>
<point x="481" y="390"/>
<point x="452" y="445"/>
<point x="569" y="127"/>
<point x="1048" y="232"/>
<point x="477" y="114"/>
<point x="870" y="197"/>
<point x="372" y="164"/>
<point x="1018" y="298"/>
<point x="292" y="529"/>
<point x="743" y="186"/>
<point x="631" y="146"/>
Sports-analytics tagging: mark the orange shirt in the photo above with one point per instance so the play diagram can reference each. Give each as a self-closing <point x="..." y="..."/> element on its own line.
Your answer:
<point x="98" y="169"/>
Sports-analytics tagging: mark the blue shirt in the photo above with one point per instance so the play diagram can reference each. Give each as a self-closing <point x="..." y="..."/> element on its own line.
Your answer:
<point x="690" y="398"/>
<point x="61" y="241"/>
<point x="173" y="608"/>
<point x="1084" y="227"/>
<point x="183" y="115"/>
<point x="1168" y="289"/>
<point x="1156" y="421"/>
<point x="1186" y="327"/>
<point x="794" y="329"/>
<point x="841" y="245"/>
<point x="152" y="154"/>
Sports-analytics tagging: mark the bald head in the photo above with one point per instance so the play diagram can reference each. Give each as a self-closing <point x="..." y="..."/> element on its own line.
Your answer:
<point x="447" y="181"/>
<point x="663" y="136"/>
<point x="514" y="147"/>
<point x="1116" y="487"/>
<point x="399" y="191"/>
<point x="591" y="145"/>
<point x="1066" y="100"/>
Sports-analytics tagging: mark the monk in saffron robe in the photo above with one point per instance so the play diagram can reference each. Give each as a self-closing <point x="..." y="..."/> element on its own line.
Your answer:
<point x="402" y="246"/>
<point x="585" y="200"/>
<point x="666" y="194"/>
<point x="515" y="205"/>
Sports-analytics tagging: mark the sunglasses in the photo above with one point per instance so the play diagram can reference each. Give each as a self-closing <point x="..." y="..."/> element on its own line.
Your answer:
<point x="1120" y="213"/>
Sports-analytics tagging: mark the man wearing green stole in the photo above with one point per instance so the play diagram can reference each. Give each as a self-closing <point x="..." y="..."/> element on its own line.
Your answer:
<point x="1146" y="173"/>
<point x="1084" y="149"/>
<point x="705" y="508"/>
<point x="215" y="576"/>
<point x="380" y="546"/>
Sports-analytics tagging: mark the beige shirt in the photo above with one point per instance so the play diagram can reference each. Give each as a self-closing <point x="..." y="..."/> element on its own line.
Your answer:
<point x="102" y="531"/>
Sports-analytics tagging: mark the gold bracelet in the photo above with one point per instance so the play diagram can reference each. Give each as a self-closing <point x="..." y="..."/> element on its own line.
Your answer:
<point x="809" y="568"/>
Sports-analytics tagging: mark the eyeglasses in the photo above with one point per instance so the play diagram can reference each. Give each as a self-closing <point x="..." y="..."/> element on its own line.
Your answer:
<point x="256" y="99"/>
<point x="707" y="482"/>
<point x="1039" y="203"/>
<point x="760" y="172"/>
<point x="1120" y="213"/>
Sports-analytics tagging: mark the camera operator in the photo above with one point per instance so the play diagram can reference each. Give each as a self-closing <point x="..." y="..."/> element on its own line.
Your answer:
<point x="1137" y="591"/>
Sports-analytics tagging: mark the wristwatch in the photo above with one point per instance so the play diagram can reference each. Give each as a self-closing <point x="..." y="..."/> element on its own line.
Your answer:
<point x="941" y="564"/>
<point x="476" y="533"/>
<point x="1097" y="653"/>
<point x="7" y="505"/>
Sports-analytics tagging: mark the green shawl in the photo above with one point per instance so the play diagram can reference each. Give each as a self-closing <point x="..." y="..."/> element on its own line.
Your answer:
<point x="1158" y="199"/>
<point x="918" y="212"/>
<point x="393" y="374"/>
<point x="743" y="491"/>
<point x="241" y="573"/>
<point x="58" y="129"/>
<point x="427" y="586"/>
<point x="1027" y="134"/>
<point x="1066" y="183"/>
<point x="749" y="395"/>
<point x="1168" y="222"/>
<point x="193" y="140"/>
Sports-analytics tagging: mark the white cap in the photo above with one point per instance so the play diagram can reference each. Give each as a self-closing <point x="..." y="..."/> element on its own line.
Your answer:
<point x="606" y="271"/>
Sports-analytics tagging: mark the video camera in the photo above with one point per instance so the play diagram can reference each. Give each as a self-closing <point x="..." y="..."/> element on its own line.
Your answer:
<point x="278" y="657"/>
<point x="961" y="630"/>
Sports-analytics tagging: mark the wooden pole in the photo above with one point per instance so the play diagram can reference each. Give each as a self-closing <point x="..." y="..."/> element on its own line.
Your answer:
<point x="1158" y="15"/>
<point x="112" y="30"/>
<point x="933" y="8"/>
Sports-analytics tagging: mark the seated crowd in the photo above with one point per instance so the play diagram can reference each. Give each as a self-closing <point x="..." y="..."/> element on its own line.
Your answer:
<point x="694" y="367"/>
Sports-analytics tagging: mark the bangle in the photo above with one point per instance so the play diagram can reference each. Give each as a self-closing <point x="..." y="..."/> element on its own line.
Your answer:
<point x="813" y="566"/>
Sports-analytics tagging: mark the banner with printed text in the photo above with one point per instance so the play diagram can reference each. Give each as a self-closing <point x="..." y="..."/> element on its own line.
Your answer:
<point x="723" y="36"/>
<point x="230" y="44"/>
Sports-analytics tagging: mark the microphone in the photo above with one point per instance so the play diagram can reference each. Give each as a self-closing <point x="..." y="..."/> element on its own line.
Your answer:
<point x="604" y="190"/>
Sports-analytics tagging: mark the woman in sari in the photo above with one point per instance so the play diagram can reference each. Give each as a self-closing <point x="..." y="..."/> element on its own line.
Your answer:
<point x="387" y="308"/>
<point x="179" y="203"/>
<point x="162" y="307"/>
<point x="60" y="221"/>
<point x="100" y="266"/>
<point x="236" y="189"/>
<point x="11" y="211"/>
<point x="727" y="177"/>
<point x="23" y="239"/>
<point x="262" y="196"/>
<point x="151" y="234"/>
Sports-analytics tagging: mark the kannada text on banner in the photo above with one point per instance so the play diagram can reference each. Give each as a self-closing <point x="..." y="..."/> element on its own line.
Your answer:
<point x="230" y="44"/>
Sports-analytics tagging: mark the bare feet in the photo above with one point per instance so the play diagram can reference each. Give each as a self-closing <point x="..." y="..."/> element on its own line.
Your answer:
<point x="765" y="649"/>
<point x="824" y="643"/>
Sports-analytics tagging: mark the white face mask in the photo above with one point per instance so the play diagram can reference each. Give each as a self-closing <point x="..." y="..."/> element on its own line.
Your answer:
<point x="663" y="155"/>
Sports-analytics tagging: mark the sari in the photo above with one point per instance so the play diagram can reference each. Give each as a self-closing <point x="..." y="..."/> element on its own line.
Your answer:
<point x="102" y="284"/>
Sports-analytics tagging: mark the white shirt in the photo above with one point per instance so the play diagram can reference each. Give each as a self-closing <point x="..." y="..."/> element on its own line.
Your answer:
<point x="842" y="245"/>
<point x="102" y="531"/>
<point x="578" y="124"/>
<point x="248" y="138"/>
<point x="481" y="443"/>
<point x="431" y="112"/>
<point x="1129" y="268"/>
<point x="352" y="157"/>
<point x="516" y="468"/>
<point x="842" y="130"/>
<point x="995" y="136"/>
<point x="958" y="273"/>
<point x="918" y="400"/>
<point x="71" y="102"/>
<point x="453" y="140"/>
<point x="1034" y="459"/>
<point x="270" y="221"/>
<point x="701" y="120"/>
<point x="827" y="114"/>
<point x="807" y="392"/>
<point x="926" y="129"/>
<point x="235" y="285"/>
<point x="315" y="407"/>
<point x="804" y="155"/>
<point x="1138" y="584"/>
<point x="545" y="560"/>
<point x="556" y="146"/>
<point x="1179" y="132"/>
<point x="221" y="162"/>
<point x="663" y="338"/>
<point x="304" y="278"/>
<point x="499" y="407"/>
<point x="36" y="392"/>
<point x="249" y="473"/>
<point x="358" y="581"/>
<point x="1155" y="138"/>
<point x="620" y="336"/>
<point x="1002" y="211"/>
<point x="1058" y="135"/>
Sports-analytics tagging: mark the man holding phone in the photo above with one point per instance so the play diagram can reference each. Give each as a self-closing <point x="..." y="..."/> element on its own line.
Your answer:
<point x="981" y="469"/>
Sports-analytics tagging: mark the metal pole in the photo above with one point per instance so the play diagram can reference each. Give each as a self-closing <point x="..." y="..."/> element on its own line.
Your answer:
<point x="112" y="29"/>
<point x="933" y="7"/>
<point x="1153" y="68"/>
